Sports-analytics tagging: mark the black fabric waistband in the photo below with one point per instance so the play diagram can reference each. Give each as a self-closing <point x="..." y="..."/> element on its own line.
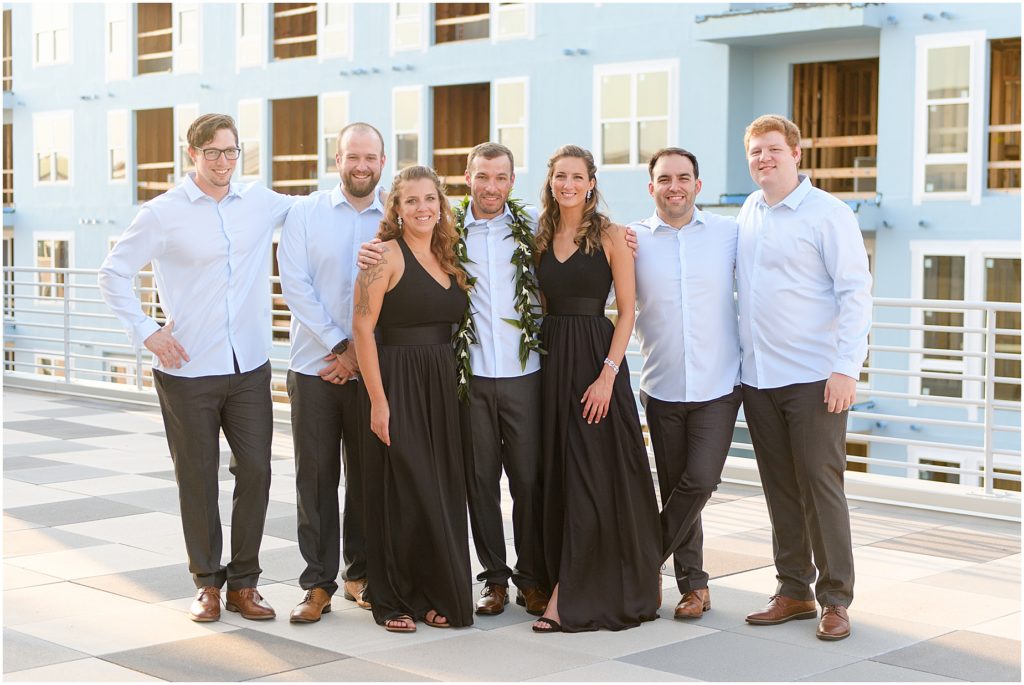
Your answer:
<point x="434" y="334"/>
<point x="576" y="306"/>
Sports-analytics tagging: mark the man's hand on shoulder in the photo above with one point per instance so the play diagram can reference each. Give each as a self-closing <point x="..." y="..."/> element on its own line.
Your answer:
<point x="168" y="350"/>
<point x="370" y="254"/>
<point x="840" y="391"/>
<point x="631" y="240"/>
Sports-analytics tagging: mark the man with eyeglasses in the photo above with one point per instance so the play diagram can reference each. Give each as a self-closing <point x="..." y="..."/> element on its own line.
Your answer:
<point x="208" y="240"/>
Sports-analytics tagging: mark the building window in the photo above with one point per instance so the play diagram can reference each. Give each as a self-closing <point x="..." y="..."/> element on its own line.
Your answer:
<point x="118" y="47"/>
<point x="250" y="133"/>
<point x="51" y="28"/>
<point x="947" y="140"/>
<point x="294" y="29"/>
<point x="52" y="147"/>
<point x="336" y="30"/>
<point x="184" y="115"/>
<point x="49" y="366"/>
<point x="186" y="37"/>
<point x="634" y="113"/>
<point x="154" y="37"/>
<point x="943" y="280"/>
<point x="52" y="253"/>
<point x="510" y="117"/>
<point x="8" y="169"/>
<point x="293" y="168"/>
<point x="117" y="145"/>
<point x="407" y="26"/>
<point x="939" y="476"/>
<point x="251" y="19"/>
<point x="123" y="371"/>
<point x="335" y="118"/>
<point x="1002" y="284"/>
<point x="154" y="152"/>
<point x="458" y="21"/>
<point x="281" y="315"/>
<point x="1004" y="116"/>
<point x="462" y="119"/>
<point x="8" y="73"/>
<point x="857" y="448"/>
<point x="405" y="122"/>
<point x="512" y="20"/>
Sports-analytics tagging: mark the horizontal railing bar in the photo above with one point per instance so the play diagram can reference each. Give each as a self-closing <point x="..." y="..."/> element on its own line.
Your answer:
<point x="928" y="351"/>
<point x="955" y="305"/>
<point x="936" y="399"/>
<point x="931" y="328"/>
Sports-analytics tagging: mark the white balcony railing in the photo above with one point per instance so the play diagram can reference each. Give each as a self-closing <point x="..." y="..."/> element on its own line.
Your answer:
<point x="922" y="412"/>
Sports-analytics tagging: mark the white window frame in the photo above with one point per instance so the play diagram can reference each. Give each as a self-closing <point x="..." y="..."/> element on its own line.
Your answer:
<point x="324" y="32"/>
<point x="632" y="69"/>
<point x="39" y="118"/>
<point x="186" y="58"/>
<point x="119" y="54"/>
<point x="184" y="115"/>
<point x="261" y="39"/>
<point x="261" y="139"/>
<point x="497" y="12"/>
<point x="124" y="144"/>
<point x="51" y="18"/>
<point x="522" y="161"/>
<point x="976" y="115"/>
<point x="327" y="151"/>
<point x="424" y="20"/>
<point x="419" y="131"/>
<point x="974" y="253"/>
<point x="67" y="236"/>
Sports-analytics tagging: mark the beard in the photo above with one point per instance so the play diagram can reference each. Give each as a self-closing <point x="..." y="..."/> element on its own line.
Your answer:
<point x="360" y="188"/>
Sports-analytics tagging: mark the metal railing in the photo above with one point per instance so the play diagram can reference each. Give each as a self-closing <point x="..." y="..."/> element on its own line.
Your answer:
<point x="960" y="424"/>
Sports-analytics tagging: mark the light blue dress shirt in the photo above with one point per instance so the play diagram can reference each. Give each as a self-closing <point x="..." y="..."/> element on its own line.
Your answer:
<point x="317" y="260"/>
<point x="686" y="323"/>
<point x="804" y="289"/>
<point x="490" y="247"/>
<point x="211" y="261"/>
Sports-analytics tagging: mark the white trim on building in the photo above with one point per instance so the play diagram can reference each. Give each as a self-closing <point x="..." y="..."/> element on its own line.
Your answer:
<point x="639" y="112"/>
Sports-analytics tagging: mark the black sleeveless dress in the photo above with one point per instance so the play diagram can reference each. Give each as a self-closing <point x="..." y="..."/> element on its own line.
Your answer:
<point x="415" y="490"/>
<point x="601" y="526"/>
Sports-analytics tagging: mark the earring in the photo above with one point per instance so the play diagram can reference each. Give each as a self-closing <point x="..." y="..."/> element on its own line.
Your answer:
<point x="399" y="223"/>
<point x="589" y="194"/>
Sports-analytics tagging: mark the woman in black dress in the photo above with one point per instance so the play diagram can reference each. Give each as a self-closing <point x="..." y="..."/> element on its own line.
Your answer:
<point x="601" y="527"/>
<point x="414" y="483"/>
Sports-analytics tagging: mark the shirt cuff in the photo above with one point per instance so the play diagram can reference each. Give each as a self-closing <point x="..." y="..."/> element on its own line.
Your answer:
<point x="143" y="331"/>
<point x="333" y="336"/>
<point x="847" y="369"/>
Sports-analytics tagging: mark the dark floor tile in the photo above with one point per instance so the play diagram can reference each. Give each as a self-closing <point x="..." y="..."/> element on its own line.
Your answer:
<point x="74" y="511"/>
<point x="12" y="463"/>
<point x="165" y="475"/>
<point x="23" y="651"/>
<point x="41" y="540"/>
<point x="27" y="449"/>
<point x="55" y="428"/>
<point x="719" y="563"/>
<point x="283" y="527"/>
<point x="282" y="564"/>
<point x="161" y="499"/>
<point x="233" y="656"/>
<point x="59" y="473"/>
<point x="953" y="543"/>
<point x="961" y="654"/>
<point x="151" y="585"/>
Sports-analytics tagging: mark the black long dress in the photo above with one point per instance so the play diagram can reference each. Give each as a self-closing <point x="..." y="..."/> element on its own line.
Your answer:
<point x="601" y="526"/>
<point x="415" y="490"/>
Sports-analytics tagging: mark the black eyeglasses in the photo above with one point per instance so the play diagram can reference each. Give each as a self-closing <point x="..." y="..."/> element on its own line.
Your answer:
<point x="211" y="153"/>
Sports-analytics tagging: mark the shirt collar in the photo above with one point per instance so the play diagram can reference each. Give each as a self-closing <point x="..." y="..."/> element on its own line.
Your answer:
<point x="794" y="199"/>
<point x="338" y="197"/>
<point x="194" y="192"/>
<point x="470" y="219"/>
<point x="654" y="222"/>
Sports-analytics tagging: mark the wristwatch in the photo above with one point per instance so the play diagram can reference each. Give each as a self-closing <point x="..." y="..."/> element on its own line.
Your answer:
<point x="340" y="347"/>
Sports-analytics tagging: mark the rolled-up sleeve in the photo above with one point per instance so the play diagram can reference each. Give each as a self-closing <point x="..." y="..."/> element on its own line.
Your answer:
<point x="845" y="258"/>
<point x="140" y="244"/>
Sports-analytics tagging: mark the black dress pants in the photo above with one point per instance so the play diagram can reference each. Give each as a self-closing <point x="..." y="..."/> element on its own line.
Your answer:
<point x="325" y="415"/>
<point x="801" y="456"/>
<point x="195" y="410"/>
<point x="691" y="441"/>
<point x="501" y="427"/>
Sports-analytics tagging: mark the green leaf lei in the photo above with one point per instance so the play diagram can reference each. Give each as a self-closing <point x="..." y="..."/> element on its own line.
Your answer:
<point x="526" y="289"/>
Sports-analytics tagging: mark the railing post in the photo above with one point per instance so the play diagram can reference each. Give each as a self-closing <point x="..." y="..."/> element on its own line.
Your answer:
<point x="138" y="350"/>
<point x="990" y="395"/>
<point x="66" y="291"/>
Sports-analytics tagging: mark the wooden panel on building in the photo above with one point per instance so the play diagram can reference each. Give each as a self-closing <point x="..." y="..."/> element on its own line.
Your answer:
<point x="1004" y="166"/>
<point x="154" y="37"/>
<point x="294" y="146"/>
<point x="154" y="152"/>
<point x="294" y="29"/>
<point x="462" y="120"/>
<point x="456" y="21"/>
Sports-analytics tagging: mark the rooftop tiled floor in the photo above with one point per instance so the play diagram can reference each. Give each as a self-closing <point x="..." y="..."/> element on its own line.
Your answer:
<point x="96" y="587"/>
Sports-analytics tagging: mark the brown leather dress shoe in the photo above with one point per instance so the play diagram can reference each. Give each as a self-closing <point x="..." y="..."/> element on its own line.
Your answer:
<point x="834" y="624"/>
<point x="694" y="603"/>
<point x="315" y="603"/>
<point x="206" y="606"/>
<point x="493" y="599"/>
<point x="354" y="591"/>
<point x="534" y="599"/>
<point x="781" y="609"/>
<point x="250" y="604"/>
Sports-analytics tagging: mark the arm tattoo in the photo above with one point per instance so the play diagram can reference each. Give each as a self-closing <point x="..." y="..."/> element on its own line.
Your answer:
<point x="363" y="282"/>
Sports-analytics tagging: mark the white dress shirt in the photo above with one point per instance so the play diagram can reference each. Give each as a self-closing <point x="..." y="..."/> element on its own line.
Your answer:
<point x="211" y="261"/>
<point x="490" y="247"/>
<point x="686" y="323"/>
<point x="317" y="259"/>
<point x="804" y="289"/>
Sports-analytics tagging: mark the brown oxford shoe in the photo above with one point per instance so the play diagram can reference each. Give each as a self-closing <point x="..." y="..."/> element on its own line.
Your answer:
<point x="781" y="609"/>
<point x="354" y="591"/>
<point x="534" y="599"/>
<point x="206" y="606"/>
<point x="493" y="599"/>
<point x="315" y="603"/>
<point x="834" y="624"/>
<point x="250" y="604"/>
<point x="694" y="603"/>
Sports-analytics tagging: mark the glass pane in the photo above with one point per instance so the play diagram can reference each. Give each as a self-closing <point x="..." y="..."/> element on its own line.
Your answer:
<point x="117" y="164"/>
<point x="615" y="96"/>
<point x="407" y="35"/>
<point x="335" y="113"/>
<point x="335" y="14"/>
<point x="652" y="94"/>
<point x="514" y="138"/>
<point x="945" y="178"/>
<point x="939" y="476"/>
<point x="407" y="149"/>
<point x="511" y="104"/>
<point x="44" y="47"/>
<point x="407" y="110"/>
<point x="406" y="10"/>
<point x="511" y="20"/>
<point x="62" y="167"/>
<point x="117" y="36"/>
<point x="61" y="45"/>
<point x="615" y="143"/>
<point x="249" y="120"/>
<point x="44" y="160"/>
<point x="653" y="135"/>
<point x="1002" y="284"/>
<point x="188" y="28"/>
<point x="250" y="158"/>
<point x="186" y="162"/>
<point x="947" y="128"/>
<point x="943" y="280"/>
<point x="330" y="150"/>
<point x="250" y="18"/>
<point x="949" y="72"/>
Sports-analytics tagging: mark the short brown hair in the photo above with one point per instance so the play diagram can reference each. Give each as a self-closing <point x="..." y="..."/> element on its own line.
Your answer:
<point x="673" y="151"/>
<point x="490" y="150"/>
<point x="773" y="122"/>
<point x="360" y="127"/>
<point x="205" y="128"/>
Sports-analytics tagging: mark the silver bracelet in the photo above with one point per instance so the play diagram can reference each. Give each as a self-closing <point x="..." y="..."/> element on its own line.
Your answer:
<point x="615" y="367"/>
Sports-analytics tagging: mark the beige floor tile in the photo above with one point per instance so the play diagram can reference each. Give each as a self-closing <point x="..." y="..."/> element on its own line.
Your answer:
<point x="611" y="672"/>
<point x="899" y="565"/>
<point x="97" y="487"/>
<point x="1004" y="626"/>
<point x="12" y="524"/>
<point x="16" y="577"/>
<point x="100" y="560"/>
<point x="118" y="460"/>
<point x="125" y="529"/>
<point x="58" y="600"/>
<point x="13" y="437"/>
<point x="18" y="494"/>
<point x="90" y="670"/>
<point x="933" y="605"/>
<point x="42" y="540"/>
<point x="145" y="445"/>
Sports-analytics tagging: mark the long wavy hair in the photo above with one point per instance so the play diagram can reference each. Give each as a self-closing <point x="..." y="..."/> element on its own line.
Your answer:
<point x="444" y="237"/>
<point x="594" y="223"/>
